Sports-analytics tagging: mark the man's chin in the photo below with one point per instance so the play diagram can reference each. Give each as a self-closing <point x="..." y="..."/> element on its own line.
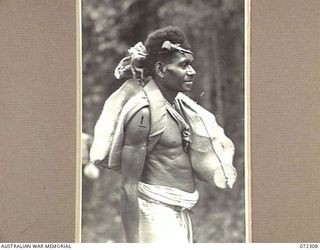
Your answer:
<point x="187" y="86"/>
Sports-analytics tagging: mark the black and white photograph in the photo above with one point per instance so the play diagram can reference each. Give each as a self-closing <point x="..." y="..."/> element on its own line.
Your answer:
<point x="159" y="121"/>
<point x="163" y="121"/>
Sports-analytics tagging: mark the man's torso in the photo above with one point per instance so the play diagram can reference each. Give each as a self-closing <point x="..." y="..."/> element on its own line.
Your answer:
<point x="167" y="164"/>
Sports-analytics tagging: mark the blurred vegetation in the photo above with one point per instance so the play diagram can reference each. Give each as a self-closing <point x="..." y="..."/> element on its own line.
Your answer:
<point x="215" y="31"/>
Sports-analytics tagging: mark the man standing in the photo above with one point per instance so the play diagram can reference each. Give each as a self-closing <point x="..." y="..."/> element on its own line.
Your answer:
<point x="161" y="140"/>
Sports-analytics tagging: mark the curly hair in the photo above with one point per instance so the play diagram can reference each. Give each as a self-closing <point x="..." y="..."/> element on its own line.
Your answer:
<point x="154" y="43"/>
<point x="173" y="34"/>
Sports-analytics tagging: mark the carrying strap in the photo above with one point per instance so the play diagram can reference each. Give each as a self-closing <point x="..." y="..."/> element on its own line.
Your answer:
<point x="183" y="126"/>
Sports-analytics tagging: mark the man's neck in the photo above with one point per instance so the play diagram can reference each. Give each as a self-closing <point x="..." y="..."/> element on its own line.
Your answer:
<point x="168" y="94"/>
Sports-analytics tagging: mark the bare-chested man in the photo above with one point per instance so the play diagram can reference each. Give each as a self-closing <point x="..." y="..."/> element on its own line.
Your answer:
<point x="163" y="140"/>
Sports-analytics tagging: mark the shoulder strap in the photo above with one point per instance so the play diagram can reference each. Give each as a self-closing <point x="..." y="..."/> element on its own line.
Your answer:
<point x="183" y="126"/>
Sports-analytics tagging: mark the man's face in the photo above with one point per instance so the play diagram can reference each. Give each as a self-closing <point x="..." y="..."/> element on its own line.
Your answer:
<point x="178" y="73"/>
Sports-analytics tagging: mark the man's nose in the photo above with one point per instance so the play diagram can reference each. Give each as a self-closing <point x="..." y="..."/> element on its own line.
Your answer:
<point x="191" y="71"/>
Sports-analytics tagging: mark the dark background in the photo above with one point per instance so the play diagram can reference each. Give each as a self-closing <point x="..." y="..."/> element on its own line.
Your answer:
<point x="215" y="31"/>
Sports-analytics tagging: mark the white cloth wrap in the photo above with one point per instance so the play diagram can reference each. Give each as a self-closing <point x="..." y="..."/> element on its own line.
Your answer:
<point x="169" y="195"/>
<point x="161" y="224"/>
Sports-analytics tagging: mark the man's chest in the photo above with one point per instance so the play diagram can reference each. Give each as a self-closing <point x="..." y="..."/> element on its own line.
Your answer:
<point x="171" y="137"/>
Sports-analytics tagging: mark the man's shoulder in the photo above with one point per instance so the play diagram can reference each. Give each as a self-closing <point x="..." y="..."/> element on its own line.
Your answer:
<point x="138" y="127"/>
<point x="135" y="104"/>
<point x="143" y="111"/>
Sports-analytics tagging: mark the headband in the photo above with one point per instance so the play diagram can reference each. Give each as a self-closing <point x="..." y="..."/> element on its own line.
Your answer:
<point x="129" y="66"/>
<point x="170" y="47"/>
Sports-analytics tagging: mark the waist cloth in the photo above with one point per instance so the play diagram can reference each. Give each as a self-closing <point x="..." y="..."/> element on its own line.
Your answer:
<point x="165" y="214"/>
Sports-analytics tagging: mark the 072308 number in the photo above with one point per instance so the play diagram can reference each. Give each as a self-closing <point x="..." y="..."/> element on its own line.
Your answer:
<point x="308" y="245"/>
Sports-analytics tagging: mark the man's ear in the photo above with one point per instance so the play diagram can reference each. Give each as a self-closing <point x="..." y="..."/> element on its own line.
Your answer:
<point x="159" y="69"/>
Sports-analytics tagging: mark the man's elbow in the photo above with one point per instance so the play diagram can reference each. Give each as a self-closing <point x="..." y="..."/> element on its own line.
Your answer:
<point x="129" y="190"/>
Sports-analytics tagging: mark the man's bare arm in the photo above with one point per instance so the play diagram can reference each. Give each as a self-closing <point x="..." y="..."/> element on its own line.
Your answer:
<point x="132" y="163"/>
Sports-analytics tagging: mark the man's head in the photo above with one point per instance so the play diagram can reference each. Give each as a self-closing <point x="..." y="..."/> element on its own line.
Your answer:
<point x="169" y="59"/>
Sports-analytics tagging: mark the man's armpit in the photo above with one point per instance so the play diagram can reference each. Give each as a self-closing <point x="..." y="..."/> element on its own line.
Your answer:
<point x="137" y="129"/>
